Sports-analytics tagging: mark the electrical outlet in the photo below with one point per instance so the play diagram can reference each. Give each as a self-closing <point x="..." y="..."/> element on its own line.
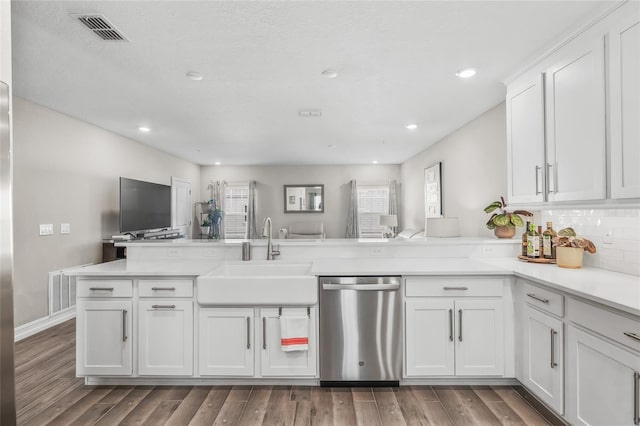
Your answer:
<point x="378" y="251"/>
<point x="608" y="237"/>
<point x="174" y="252"/>
<point x="46" y="229"/>
<point x="487" y="251"/>
<point x="65" y="228"/>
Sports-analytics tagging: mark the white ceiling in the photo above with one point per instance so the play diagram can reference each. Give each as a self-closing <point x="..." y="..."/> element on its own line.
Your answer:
<point x="262" y="62"/>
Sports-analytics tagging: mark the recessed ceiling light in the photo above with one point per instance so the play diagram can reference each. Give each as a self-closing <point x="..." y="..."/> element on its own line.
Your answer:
<point x="411" y="126"/>
<point x="194" y="75"/>
<point x="144" y="129"/>
<point x="217" y="163"/>
<point x="332" y="146"/>
<point x="375" y="161"/>
<point x="329" y="73"/>
<point x="466" y="72"/>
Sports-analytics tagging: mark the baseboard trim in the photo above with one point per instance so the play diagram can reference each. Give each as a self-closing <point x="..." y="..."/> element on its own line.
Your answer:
<point x="466" y="381"/>
<point x="551" y="416"/>
<point x="34" y="327"/>
<point x="196" y="381"/>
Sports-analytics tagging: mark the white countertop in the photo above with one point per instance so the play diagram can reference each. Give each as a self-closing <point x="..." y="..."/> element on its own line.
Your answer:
<point x="620" y="291"/>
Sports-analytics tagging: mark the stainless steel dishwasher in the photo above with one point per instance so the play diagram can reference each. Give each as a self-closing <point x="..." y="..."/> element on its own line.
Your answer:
<point x="360" y="331"/>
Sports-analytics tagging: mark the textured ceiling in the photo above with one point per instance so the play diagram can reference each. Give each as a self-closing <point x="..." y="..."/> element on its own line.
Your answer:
<point x="262" y="63"/>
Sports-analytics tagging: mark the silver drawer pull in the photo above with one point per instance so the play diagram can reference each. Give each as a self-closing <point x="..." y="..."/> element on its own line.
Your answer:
<point x="455" y="288"/>
<point x="460" y="325"/>
<point x="537" y="188"/>
<point x="451" y="325"/>
<point x="634" y="336"/>
<point x="248" y="333"/>
<point x="163" y="306"/>
<point x="163" y="288"/>
<point x="124" y="325"/>
<point x="101" y="288"/>
<point x="538" y="298"/>
<point x="554" y="364"/>
<point x="636" y="391"/>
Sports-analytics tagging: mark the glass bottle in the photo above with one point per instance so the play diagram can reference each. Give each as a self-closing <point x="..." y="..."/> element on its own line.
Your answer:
<point x="548" y="248"/>
<point x="533" y="242"/>
<point x="540" y="240"/>
<point x="524" y="239"/>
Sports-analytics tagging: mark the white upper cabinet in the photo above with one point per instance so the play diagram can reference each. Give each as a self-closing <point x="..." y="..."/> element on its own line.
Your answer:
<point x="525" y="139"/>
<point x="575" y="116"/>
<point x="573" y="119"/>
<point x="624" y="101"/>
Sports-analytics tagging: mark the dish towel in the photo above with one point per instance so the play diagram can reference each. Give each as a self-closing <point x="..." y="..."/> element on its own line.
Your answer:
<point x="294" y="333"/>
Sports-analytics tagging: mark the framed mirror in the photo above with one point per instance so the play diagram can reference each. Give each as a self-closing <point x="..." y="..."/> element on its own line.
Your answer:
<point x="304" y="198"/>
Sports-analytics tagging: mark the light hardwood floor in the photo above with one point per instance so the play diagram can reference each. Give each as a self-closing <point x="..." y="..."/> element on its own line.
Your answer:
<point x="49" y="393"/>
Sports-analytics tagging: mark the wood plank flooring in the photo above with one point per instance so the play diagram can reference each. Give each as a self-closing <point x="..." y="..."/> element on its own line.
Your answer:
<point x="48" y="393"/>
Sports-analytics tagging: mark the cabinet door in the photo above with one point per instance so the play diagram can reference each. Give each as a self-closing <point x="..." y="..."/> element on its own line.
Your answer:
<point x="525" y="140"/>
<point x="274" y="361"/>
<point x="429" y="331"/>
<point x="103" y="337"/>
<point x="576" y="123"/>
<point x="624" y="80"/>
<point x="479" y="337"/>
<point x="165" y="338"/>
<point x="226" y="341"/>
<point x="600" y="381"/>
<point x="544" y="357"/>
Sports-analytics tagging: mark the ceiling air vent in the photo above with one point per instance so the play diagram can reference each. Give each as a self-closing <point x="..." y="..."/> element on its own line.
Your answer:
<point x="100" y="26"/>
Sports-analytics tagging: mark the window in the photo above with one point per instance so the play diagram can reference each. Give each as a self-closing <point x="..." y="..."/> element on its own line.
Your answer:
<point x="236" y="200"/>
<point x="372" y="202"/>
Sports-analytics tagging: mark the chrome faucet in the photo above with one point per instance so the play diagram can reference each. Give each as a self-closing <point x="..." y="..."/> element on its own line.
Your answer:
<point x="272" y="250"/>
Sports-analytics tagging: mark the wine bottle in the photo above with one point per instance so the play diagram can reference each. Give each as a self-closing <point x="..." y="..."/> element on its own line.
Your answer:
<point x="548" y="248"/>
<point x="533" y="242"/>
<point x="524" y="239"/>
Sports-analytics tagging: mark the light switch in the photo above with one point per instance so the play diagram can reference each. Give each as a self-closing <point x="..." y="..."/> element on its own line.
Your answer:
<point x="46" y="229"/>
<point x="65" y="228"/>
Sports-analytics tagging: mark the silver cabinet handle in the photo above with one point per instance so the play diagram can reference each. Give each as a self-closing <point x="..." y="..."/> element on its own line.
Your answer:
<point x="455" y="288"/>
<point x="264" y="332"/>
<point x="538" y="298"/>
<point x="537" y="187"/>
<point x="634" y="336"/>
<point x="553" y="348"/>
<point x="124" y="325"/>
<point x="163" y="306"/>
<point x="460" y="324"/>
<point x="361" y="287"/>
<point x="549" y="166"/>
<point x="101" y="288"/>
<point x="163" y="289"/>
<point x="451" y="325"/>
<point x="248" y="333"/>
<point x="636" y="391"/>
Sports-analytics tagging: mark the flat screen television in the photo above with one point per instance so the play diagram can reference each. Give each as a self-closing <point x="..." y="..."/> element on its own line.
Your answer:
<point x="144" y="206"/>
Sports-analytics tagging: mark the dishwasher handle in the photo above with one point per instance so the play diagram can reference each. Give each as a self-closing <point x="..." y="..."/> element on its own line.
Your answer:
<point x="359" y="287"/>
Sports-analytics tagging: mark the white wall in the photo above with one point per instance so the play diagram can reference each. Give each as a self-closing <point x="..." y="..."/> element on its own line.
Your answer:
<point x="474" y="173"/>
<point x="270" y="181"/>
<point x="66" y="171"/>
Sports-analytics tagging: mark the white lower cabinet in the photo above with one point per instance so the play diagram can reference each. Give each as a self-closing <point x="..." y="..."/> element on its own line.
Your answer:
<point x="103" y="337"/>
<point x="226" y="341"/>
<point x="165" y="338"/>
<point x="459" y="337"/>
<point x="543" y="357"/>
<point x="233" y="340"/>
<point x="274" y="362"/>
<point x="602" y="381"/>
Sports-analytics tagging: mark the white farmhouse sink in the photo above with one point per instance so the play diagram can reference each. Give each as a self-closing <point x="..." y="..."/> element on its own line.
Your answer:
<point x="253" y="283"/>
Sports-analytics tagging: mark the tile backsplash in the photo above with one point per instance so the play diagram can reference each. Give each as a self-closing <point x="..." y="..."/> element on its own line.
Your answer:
<point x="615" y="232"/>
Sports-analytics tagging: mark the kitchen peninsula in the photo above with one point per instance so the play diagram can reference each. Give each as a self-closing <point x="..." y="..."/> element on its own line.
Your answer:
<point x="523" y="322"/>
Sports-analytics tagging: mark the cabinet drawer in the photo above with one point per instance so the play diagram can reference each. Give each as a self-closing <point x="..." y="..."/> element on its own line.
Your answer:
<point x="454" y="286"/>
<point x="543" y="299"/>
<point x="165" y="288"/>
<point x="606" y="323"/>
<point x="104" y="288"/>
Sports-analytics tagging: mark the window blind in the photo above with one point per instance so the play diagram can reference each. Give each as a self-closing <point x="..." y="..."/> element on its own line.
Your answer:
<point x="236" y="200"/>
<point x="372" y="202"/>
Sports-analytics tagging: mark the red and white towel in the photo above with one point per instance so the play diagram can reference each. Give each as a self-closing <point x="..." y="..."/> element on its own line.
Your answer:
<point x="294" y="333"/>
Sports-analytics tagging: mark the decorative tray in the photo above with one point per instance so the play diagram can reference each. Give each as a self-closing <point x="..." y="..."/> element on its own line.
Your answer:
<point x="538" y="260"/>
